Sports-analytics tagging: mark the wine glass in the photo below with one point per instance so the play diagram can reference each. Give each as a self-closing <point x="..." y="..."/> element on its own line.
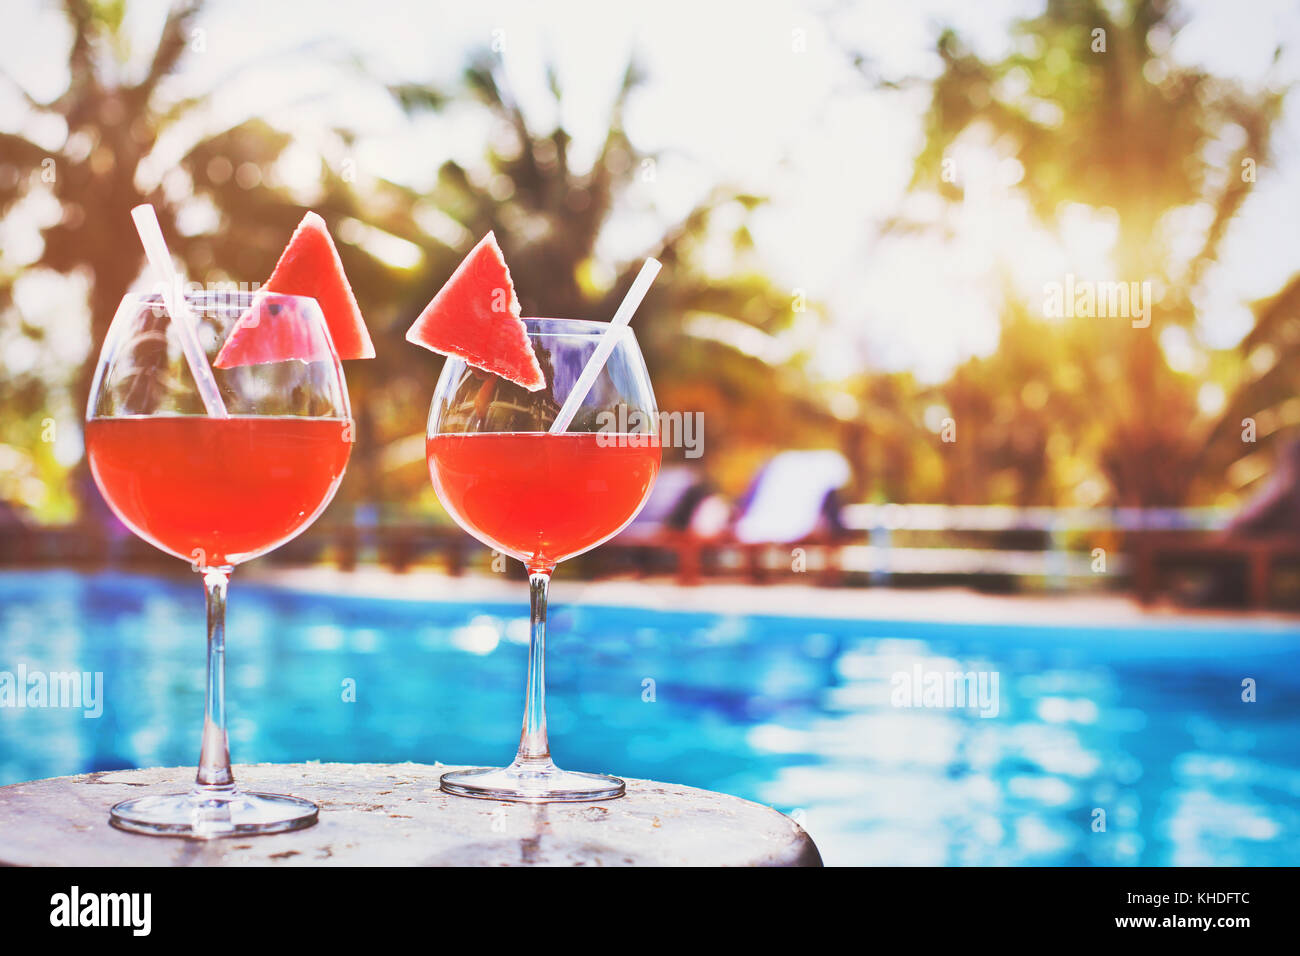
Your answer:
<point x="217" y="491"/>
<point x="542" y="498"/>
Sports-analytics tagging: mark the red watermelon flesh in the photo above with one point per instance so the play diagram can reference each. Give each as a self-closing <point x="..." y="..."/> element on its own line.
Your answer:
<point x="309" y="266"/>
<point x="273" y="330"/>
<point x="475" y="317"/>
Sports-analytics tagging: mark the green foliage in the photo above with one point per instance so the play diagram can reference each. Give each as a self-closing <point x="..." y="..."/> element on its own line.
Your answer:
<point x="548" y="217"/>
<point x="1064" y="412"/>
<point x="1129" y="130"/>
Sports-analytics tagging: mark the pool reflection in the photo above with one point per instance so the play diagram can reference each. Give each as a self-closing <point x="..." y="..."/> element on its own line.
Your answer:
<point x="1106" y="747"/>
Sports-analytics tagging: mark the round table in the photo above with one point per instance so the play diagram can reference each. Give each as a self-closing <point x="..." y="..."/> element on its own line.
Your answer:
<point x="395" y="815"/>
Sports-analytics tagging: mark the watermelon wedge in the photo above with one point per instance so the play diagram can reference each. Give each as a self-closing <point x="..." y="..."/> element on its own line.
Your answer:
<point x="273" y="330"/>
<point x="309" y="266"/>
<point x="475" y="317"/>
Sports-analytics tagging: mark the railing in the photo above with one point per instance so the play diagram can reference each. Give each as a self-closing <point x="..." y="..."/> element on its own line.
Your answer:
<point x="881" y="558"/>
<point x="1051" y="553"/>
<point x="1006" y="518"/>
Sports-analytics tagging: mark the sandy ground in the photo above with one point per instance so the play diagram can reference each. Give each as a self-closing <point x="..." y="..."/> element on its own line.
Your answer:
<point x="797" y="600"/>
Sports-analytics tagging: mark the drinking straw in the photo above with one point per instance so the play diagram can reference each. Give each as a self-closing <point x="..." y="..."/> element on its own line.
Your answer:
<point x="155" y="249"/>
<point x="640" y="286"/>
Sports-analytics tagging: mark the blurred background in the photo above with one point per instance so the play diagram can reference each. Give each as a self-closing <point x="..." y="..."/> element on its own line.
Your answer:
<point x="873" y="217"/>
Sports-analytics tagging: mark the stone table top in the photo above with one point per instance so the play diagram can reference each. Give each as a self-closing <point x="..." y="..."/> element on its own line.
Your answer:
<point x="395" y="815"/>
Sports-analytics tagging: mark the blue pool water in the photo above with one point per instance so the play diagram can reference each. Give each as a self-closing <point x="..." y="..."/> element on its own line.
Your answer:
<point x="1146" y="725"/>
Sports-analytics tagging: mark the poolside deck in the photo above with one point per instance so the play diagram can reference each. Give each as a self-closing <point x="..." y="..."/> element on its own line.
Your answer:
<point x="951" y="604"/>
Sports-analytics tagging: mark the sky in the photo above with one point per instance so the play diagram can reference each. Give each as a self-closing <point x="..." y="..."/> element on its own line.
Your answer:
<point x="759" y="95"/>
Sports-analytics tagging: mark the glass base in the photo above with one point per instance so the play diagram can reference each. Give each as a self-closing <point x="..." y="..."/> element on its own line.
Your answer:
<point x="204" y="814"/>
<point x="532" y="783"/>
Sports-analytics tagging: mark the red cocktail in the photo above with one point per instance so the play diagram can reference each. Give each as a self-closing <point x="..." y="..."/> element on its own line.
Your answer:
<point x="218" y="491"/>
<point x="220" y="488"/>
<point x="543" y="492"/>
<point x="543" y="498"/>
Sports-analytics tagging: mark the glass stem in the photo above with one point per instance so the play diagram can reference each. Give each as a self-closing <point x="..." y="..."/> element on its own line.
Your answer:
<point x="534" y="748"/>
<point x="214" y="757"/>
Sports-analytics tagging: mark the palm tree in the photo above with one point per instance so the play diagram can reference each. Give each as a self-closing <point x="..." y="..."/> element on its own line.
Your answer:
<point x="549" y="229"/>
<point x="1127" y="129"/>
<point x="93" y="175"/>
<point x="549" y="217"/>
<point x="102" y="170"/>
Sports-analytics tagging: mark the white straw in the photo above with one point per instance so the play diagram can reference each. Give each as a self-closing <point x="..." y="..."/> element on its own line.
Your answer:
<point x="155" y="248"/>
<point x="640" y="286"/>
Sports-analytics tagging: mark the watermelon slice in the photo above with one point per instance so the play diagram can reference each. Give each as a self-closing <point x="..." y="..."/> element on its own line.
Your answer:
<point x="475" y="316"/>
<point x="273" y="330"/>
<point x="309" y="266"/>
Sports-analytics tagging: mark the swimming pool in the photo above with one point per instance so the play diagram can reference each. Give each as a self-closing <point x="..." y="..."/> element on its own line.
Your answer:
<point x="1147" y="726"/>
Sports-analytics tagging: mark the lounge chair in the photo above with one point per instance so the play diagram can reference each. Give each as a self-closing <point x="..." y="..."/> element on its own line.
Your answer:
<point x="1244" y="555"/>
<point x="667" y="523"/>
<point x="794" y="502"/>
